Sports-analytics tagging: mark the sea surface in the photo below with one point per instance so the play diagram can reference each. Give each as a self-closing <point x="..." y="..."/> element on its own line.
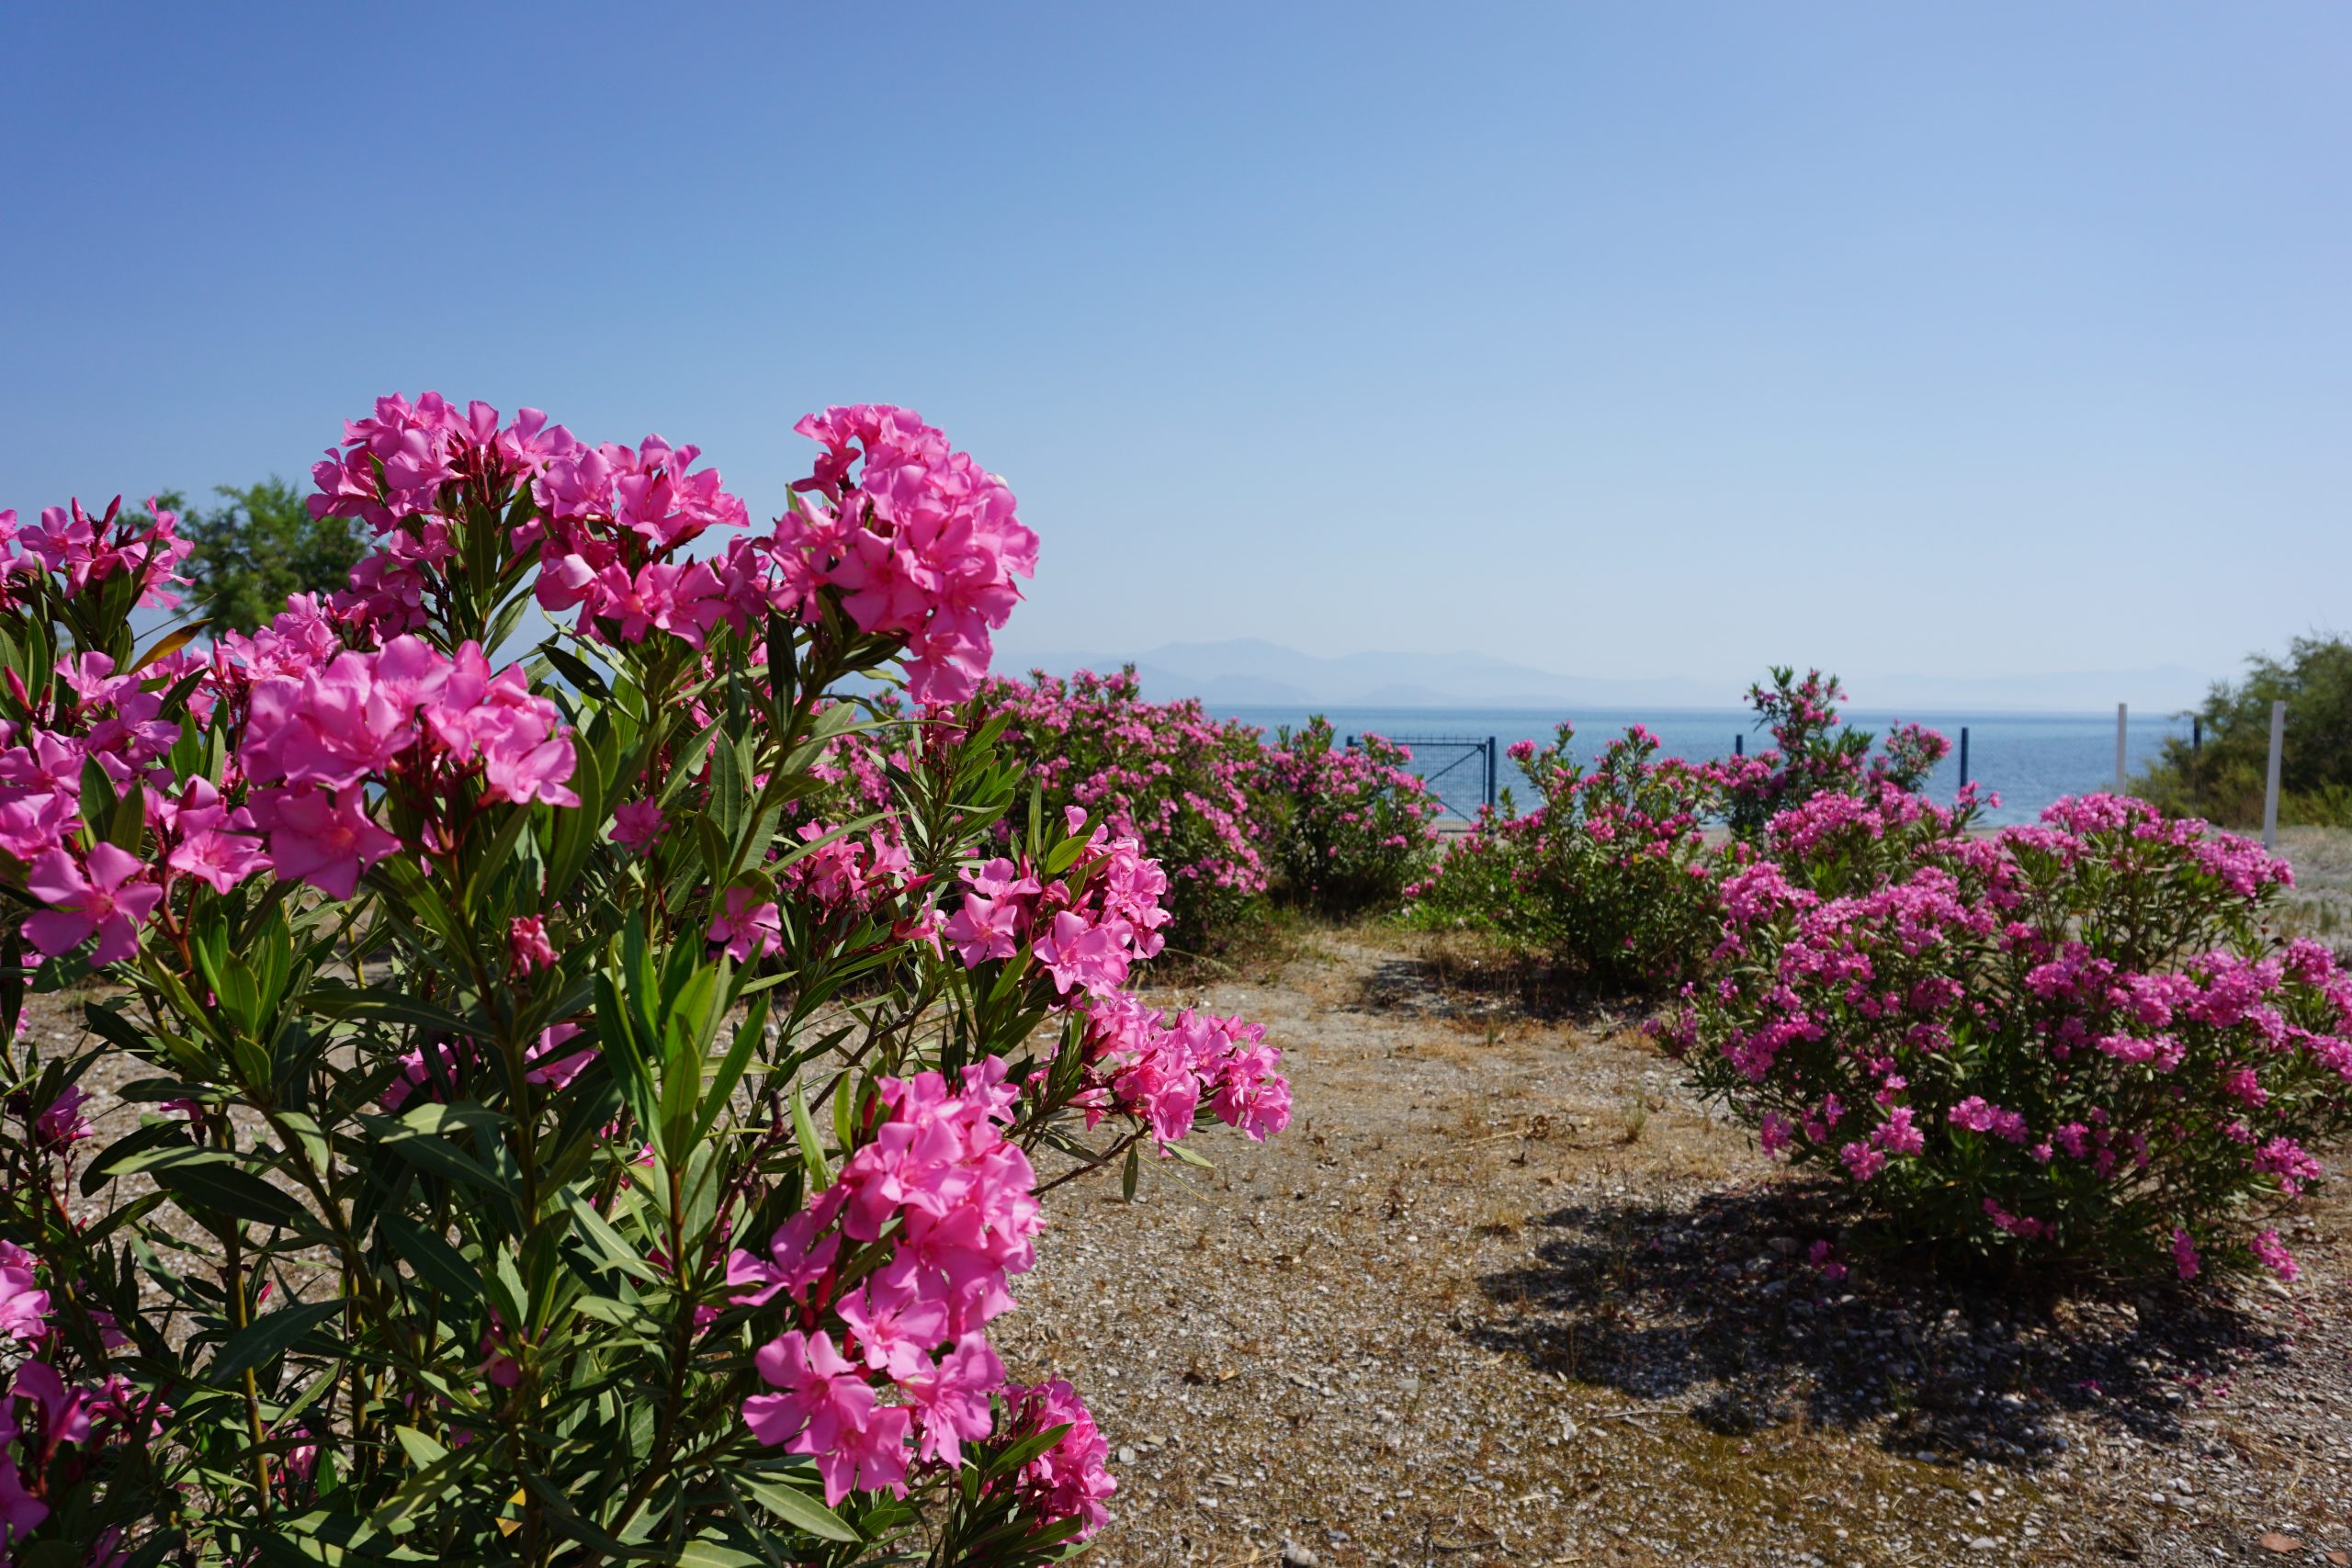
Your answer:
<point x="2029" y="760"/>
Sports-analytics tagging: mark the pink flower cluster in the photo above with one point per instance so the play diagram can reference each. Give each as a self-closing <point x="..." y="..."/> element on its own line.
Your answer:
<point x="918" y="540"/>
<point x="406" y="717"/>
<point x="941" y="1186"/>
<point x="1085" y="929"/>
<point x="84" y="552"/>
<point x="47" y="1424"/>
<point x="1069" y="1481"/>
<point x="1163" y="1068"/>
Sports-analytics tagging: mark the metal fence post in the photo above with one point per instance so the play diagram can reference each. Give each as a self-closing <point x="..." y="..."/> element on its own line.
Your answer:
<point x="2270" y="787"/>
<point x="1964" y="756"/>
<point x="1738" y="745"/>
<point x="1492" y="769"/>
<point x="2121" y="713"/>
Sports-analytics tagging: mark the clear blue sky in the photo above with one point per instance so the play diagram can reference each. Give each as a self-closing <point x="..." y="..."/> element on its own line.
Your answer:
<point x="1615" y="340"/>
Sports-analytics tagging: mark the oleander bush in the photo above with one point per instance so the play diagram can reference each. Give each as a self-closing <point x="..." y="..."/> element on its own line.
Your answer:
<point x="1180" y="783"/>
<point x="1352" y="827"/>
<point x="578" y="1110"/>
<point x="1813" y="751"/>
<point x="1608" y="874"/>
<point x="2073" y="1044"/>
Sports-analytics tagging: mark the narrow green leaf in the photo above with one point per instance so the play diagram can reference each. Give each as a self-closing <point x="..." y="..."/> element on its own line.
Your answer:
<point x="812" y="1153"/>
<point x="802" y="1512"/>
<point x="265" y="1338"/>
<point x="437" y="1264"/>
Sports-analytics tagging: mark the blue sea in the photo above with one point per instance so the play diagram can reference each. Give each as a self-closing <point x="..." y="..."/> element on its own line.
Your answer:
<point x="2029" y="760"/>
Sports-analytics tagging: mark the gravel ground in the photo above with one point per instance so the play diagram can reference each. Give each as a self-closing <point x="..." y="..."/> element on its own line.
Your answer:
<point x="1504" y="1293"/>
<point x="2322" y="901"/>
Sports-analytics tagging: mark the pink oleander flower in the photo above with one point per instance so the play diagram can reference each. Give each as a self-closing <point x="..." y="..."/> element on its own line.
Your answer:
<point x="951" y="1398"/>
<point x="2184" y="1253"/>
<point x="2273" y="1255"/>
<point x="61" y="1124"/>
<point x="23" y="1306"/>
<point x="326" y="840"/>
<point x="20" y="1511"/>
<point x="827" y="1411"/>
<point x="99" y="897"/>
<point x="895" y="1323"/>
<point x="801" y="1259"/>
<point x="745" y="924"/>
<point x="637" y="824"/>
<point x="527" y="948"/>
<point x="1067" y="1481"/>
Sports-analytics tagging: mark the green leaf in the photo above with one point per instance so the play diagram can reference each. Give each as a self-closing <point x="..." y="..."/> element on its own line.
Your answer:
<point x="582" y="675"/>
<point x="207" y="1180"/>
<point x="1128" y="1177"/>
<point x="264" y="1339"/>
<point x="437" y="1264"/>
<point x="610" y="1244"/>
<point x="731" y="1068"/>
<point x="123" y="1155"/>
<point x="351" y="1001"/>
<point x="812" y="1153"/>
<point x="802" y="1512"/>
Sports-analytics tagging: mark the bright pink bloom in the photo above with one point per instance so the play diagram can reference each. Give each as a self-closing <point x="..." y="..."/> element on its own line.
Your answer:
<point x="896" y="1326"/>
<point x="1067" y="1481"/>
<point x="637" y="824"/>
<point x="23" y="1306"/>
<point x="2273" y="1255"/>
<point x="826" y="1410"/>
<point x="744" y="925"/>
<point x="951" y="1400"/>
<point x="321" y="839"/>
<point x="527" y="947"/>
<point x="105" y="902"/>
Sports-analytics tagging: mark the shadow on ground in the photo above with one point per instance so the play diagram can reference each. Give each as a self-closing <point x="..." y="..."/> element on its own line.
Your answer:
<point x="1713" y="1307"/>
<point x="1444" y="984"/>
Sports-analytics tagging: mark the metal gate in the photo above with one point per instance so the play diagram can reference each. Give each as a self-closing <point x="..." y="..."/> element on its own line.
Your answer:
<point x="1458" y="768"/>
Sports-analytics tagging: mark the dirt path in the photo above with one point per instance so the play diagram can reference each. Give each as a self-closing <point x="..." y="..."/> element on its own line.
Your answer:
<point x="1505" y="1294"/>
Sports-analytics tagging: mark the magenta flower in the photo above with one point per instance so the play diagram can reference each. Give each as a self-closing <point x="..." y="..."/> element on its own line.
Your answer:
<point x="527" y="947"/>
<point x="326" y="842"/>
<point x="828" y="1412"/>
<point x="106" y="901"/>
<point x="951" y="1399"/>
<point x="20" y="1511"/>
<point x="63" y="1124"/>
<point x="742" y="925"/>
<point x="24" y="1306"/>
<point x="637" y="824"/>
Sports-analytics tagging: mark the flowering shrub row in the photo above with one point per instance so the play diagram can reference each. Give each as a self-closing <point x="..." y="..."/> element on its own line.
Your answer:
<point x="1608" y="872"/>
<point x="2072" y="1043"/>
<point x="583" y="1109"/>
<point x="1611" y="873"/>
<point x="1228" y="815"/>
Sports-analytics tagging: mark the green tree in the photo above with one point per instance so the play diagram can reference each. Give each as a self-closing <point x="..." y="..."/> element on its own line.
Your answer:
<point x="260" y="545"/>
<point x="2223" y="778"/>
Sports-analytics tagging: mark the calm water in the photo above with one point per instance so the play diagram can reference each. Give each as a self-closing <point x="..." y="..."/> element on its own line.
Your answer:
<point x="2029" y="759"/>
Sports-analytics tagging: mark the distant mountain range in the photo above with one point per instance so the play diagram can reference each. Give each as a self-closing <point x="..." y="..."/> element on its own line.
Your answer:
<point x="1253" y="673"/>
